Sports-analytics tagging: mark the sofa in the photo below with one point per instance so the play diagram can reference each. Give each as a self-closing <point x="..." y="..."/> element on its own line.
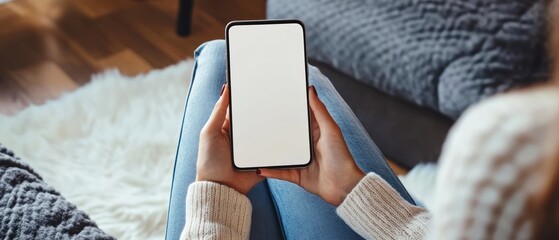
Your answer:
<point x="409" y="68"/>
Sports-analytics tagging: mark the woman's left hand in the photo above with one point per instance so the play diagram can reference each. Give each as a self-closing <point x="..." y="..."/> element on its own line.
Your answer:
<point x="214" y="151"/>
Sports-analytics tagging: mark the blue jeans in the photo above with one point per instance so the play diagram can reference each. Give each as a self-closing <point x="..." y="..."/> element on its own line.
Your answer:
<point x="280" y="209"/>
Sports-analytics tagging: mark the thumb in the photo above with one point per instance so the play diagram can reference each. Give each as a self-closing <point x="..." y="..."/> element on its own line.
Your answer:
<point x="290" y="175"/>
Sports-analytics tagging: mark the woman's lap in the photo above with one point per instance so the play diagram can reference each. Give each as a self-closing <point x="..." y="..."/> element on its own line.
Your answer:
<point x="207" y="78"/>
<point x="302" y="214"/>
<point x="305" y="216"/>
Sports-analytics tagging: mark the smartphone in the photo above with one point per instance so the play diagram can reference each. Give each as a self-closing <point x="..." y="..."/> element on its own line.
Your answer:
<point x="268" y="81"/>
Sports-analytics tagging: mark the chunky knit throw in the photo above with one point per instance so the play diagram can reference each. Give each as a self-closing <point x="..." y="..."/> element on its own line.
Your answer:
<point x="31" y="209"/>
<point x="442" y="54"/>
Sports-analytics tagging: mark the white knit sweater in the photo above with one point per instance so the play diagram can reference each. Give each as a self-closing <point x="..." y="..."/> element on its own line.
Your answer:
<point x="489" y="168"/>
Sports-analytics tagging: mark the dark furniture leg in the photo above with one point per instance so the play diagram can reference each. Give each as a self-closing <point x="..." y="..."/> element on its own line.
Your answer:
<point x="184" y="19"/>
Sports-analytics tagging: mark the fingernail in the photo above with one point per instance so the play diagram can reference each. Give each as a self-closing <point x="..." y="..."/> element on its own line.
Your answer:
<point x="314" y="90"/>
<point x="258" y="171"/>
<point x="222" y="89"/>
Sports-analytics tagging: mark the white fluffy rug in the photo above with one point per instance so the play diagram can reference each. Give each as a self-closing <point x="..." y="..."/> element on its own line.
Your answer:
<point x="109" y="147"/>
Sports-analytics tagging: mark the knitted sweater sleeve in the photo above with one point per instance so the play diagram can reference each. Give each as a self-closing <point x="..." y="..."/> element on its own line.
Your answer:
<point x="375" y="210"/>
<point x="215" y="211"/>
<point x="488" y="169"/>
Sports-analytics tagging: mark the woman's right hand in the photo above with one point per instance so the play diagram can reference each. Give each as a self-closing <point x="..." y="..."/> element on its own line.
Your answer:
<point x="333" y="173"/>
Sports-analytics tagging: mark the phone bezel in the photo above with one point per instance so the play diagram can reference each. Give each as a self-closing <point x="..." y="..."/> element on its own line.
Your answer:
<point x="229" y="85"/>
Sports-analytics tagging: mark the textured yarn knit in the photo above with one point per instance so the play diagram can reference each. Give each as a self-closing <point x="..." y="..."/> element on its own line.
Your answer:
<point x="31" y="209"/>
<point x="442" y="54"/>
<point x="490" y="166"/>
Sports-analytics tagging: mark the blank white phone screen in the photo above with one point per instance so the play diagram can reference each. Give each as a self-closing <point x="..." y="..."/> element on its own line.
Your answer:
<point x="269" y="108"/>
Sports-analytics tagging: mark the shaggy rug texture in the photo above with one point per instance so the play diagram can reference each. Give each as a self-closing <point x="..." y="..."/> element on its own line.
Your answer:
<point x="108" y="147"/>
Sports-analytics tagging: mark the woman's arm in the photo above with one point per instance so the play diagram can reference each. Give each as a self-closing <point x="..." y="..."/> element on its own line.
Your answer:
<point x="489" y="169"/>
<point x="216" y="204"/>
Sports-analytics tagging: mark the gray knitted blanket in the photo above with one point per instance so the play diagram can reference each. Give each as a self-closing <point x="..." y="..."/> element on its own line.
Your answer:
<point x="442" y="54"/>
<point x="31" y="209"/>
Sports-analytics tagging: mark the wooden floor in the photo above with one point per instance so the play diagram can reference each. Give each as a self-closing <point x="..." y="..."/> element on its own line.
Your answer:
<point x="48" y="47"/>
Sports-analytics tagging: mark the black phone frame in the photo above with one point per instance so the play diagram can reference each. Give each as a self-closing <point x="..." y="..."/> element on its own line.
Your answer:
<point x="268" y="22"/>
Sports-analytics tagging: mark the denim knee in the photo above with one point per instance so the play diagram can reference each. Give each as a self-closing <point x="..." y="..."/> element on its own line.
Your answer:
<point x="214" y="46"/>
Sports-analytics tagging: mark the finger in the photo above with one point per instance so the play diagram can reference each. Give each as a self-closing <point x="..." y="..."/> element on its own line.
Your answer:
<point x="313" y="120"/>
<point x="315" y="128"/>
<point x="227" y="123"/>
<point x="323" y="117"/>
<point x="215" y="122"/>
<point x="290" y="175"/>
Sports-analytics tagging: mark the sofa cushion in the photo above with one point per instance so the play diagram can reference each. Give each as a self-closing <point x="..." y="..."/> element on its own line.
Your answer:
<point x="443" y="54"/>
